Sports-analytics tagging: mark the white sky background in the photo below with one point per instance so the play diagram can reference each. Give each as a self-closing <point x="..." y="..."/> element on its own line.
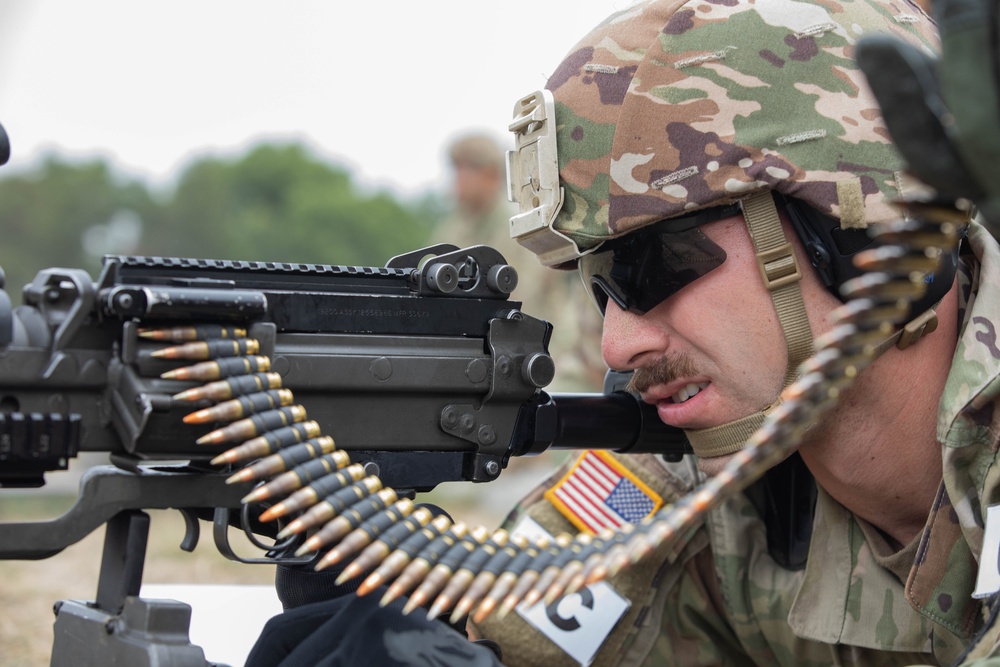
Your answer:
<point x="379" y="87"/>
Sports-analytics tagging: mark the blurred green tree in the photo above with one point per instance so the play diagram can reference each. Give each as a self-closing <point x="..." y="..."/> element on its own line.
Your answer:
<point x="278" y="203"/>
<point x="46" y="214"/>
<point x="274" y="203"/>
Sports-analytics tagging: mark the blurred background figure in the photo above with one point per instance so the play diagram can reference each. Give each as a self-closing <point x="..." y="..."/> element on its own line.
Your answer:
<point x="478" y="189"/>
<point x="481" y="216"/>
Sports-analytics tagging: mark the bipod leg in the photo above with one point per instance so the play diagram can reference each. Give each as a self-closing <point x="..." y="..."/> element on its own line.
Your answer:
<point x="124" y="557"/>
<point x="120" y="628"/>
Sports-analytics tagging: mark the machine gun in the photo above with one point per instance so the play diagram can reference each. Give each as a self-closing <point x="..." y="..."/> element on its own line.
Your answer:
<point x="426" y="371"/>
<point x="423" y="369"/>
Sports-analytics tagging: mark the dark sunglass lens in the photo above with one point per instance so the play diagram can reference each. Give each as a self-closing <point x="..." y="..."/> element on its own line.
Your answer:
<point x="673" y="262"/>
<point x="640" y="271"/>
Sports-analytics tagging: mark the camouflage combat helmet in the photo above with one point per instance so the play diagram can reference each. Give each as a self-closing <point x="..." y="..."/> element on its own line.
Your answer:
<point x="671" y="107"/>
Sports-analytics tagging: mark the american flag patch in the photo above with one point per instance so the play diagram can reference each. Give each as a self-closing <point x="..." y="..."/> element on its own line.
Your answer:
<point x="599" y="492"/>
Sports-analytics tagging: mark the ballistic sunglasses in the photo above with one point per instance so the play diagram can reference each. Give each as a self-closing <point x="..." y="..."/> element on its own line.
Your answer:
<point x="642" y="269"/>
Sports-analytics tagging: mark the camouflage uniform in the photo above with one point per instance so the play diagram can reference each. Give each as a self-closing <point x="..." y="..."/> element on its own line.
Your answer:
<point x="719" y="598"/>
<point x="672" y="106"/>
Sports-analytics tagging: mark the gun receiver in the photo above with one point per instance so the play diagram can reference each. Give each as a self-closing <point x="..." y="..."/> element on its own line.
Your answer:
<point x="448" y="357"/>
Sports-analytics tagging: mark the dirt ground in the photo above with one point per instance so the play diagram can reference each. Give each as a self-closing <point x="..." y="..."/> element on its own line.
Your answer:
<point x="28" y="589"/>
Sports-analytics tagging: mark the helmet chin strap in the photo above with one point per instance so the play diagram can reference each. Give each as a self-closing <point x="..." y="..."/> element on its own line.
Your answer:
<point x="781" y="275"/>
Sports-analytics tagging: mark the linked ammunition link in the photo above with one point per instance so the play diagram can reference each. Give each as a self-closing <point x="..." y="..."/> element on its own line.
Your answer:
<point x="471" y="571"/>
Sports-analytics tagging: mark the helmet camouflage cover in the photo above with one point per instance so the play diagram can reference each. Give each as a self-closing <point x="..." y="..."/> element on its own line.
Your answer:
<point x="676" y="105"/>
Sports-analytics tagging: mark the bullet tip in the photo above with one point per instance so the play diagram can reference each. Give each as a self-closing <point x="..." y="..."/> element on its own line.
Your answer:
<point x="531" y="598"/>
<point x="349" y="573"/>
<point x="241" y="476"/>
<point x="311" y="545"/>
<point x="552" y="595"/>
<point x="373" y="581"/>
<point x="461" y="609"/>
<point x="394" y="592"/>
<point x="484" y="611"/>
<point x="599" y="573"/>
<point x="504" y="609"/>
<point x="332" y="558"/>
<point x="255" y="496"/>
<point x="435" y="611"/>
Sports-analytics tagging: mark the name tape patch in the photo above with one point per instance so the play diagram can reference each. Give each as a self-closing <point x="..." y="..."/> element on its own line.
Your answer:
<point x="579" y="623"/>
<point x="988" y="579"/>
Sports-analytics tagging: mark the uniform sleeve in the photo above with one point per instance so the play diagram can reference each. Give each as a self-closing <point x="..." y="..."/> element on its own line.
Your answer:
<point x="693" y="626"/>
<point x="675" y="614"/>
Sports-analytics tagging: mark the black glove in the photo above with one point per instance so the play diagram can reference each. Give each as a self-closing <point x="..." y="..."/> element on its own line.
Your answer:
<point x="300" y="584"/>
<point x="326" y="625"/>
<point x="351" y="631"/>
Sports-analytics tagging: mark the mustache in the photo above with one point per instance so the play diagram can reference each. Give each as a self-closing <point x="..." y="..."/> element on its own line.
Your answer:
<point x="662" y="371"/>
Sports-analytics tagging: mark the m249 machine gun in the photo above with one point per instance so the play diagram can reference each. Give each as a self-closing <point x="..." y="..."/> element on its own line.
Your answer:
<point x="423" y="370"/>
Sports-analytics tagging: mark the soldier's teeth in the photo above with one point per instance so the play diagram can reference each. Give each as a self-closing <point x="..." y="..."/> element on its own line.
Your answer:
<point x="688" y="391"/>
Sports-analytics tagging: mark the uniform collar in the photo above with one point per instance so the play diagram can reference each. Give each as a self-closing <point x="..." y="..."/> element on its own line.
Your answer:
<point x="845" y="596"/>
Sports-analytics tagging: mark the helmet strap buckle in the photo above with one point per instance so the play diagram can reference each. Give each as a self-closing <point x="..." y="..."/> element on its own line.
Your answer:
<point x="778" y="267"/>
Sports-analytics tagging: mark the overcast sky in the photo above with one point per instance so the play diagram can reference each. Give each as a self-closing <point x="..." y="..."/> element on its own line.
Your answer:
<point x="379" y="87"/>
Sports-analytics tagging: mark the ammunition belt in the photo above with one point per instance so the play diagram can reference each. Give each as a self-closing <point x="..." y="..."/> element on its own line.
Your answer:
<point x="473" y="571"/>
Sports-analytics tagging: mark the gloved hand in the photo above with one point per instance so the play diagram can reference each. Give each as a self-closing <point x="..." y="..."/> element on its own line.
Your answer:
<point x="944" y="113"/>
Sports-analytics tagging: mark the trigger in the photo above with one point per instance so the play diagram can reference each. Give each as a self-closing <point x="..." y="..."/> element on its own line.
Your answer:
<point x="192" y="531"/>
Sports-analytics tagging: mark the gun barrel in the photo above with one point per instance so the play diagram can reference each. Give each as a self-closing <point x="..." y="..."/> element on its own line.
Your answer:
<point x="618" y="421"/>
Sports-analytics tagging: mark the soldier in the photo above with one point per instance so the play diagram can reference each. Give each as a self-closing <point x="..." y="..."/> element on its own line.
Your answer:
<point x="719" y="162"/>
<point x="481" y="209"/>
<point x="668" y="114"/>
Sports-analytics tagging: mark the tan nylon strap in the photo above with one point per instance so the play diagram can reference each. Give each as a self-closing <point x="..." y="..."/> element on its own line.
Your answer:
<point x="725" y="439"/>
<point x="765" y="231"/>
<point x="851" y="199"/>
<point x="781" y="274"/>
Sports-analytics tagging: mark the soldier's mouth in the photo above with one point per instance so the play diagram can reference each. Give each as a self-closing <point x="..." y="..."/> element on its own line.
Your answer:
<point x="688" y="391"/>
